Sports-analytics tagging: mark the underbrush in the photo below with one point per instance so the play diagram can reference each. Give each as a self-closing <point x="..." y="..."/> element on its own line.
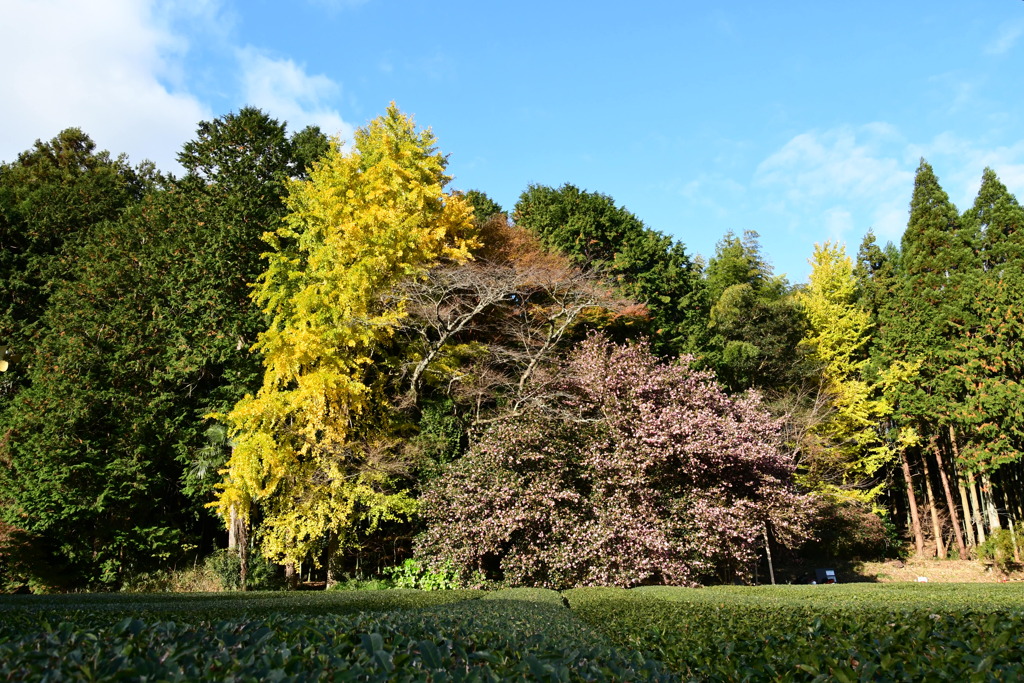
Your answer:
<point x="1003" y="548"/>
<point x="219" y="571"/>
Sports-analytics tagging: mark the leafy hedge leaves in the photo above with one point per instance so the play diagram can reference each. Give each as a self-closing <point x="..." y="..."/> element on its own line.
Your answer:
<point x="510" y="636"/>
<point x="828" y="634"/>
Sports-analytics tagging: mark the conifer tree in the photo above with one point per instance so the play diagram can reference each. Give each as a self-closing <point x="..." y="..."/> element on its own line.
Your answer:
<point x="145" y="331"/>
<point x="938" y="262"/>
<point x="987" y="352"/>
<point x="755" y="322"/>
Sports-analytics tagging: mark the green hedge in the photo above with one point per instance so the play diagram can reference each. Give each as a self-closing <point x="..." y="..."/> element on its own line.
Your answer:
<point x="818" y="633"/>
<point x="512" y="635"/>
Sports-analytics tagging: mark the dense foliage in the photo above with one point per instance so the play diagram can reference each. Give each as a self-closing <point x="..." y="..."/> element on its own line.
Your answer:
<point x="145" y="330"/>
<point x="813" y="633"/>
<point x="328" y="351"/>
<point x="639" y="471"/>
<point x="793" y="633"/>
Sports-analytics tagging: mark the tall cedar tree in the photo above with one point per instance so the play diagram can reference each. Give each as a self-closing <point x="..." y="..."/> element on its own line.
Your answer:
<point x="988" y="353"/>
<point x="938" y="264"/>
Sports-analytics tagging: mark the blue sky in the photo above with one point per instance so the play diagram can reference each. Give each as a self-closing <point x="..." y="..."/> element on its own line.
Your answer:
<point x="804" y="121"/>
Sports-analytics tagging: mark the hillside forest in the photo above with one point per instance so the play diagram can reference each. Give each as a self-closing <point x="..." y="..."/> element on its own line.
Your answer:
<point x="316" y="359"/>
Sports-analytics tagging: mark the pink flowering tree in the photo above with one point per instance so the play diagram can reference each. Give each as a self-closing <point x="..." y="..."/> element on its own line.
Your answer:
<point x="639" y="472"/>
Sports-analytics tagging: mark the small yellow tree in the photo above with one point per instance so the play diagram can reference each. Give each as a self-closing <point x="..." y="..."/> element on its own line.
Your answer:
<point x="308" y="447"/>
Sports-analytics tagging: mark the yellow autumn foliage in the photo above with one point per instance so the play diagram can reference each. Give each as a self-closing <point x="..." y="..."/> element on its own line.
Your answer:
<point x="366" y="219"/>
<point x="838" y="331"/>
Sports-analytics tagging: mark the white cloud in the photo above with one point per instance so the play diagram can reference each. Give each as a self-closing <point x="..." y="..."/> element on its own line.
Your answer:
<point x="838" y="222"/>
<point x="848" y="179"/>
<point x="844" y="180"/>
<point x="1006" y="38"/>
<point x="283" y="89"/>
<point x="843" y="161"/>
<point x="103" y="66"/>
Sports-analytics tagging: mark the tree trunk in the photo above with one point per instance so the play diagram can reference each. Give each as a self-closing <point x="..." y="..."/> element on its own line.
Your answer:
<point x="768" y="552"/>
<point x="955" y="466"/>
<point x="940" y="547"/>
<point x="238" y="540"/>
<point x="990" y="503"/>
<point x="979" y="520"/>
<point x="233" y="529"/>
<point x="912" y="501"/>
<point x="954" y="517"/>
<point x="329" y="564"/>
<point x="972" y="541"/>
<point x="291" y="577"/>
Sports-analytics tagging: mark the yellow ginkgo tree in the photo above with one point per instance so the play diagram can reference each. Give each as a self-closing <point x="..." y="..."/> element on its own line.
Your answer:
<point x="850" y="454"/>
<point x="308" y="447"/>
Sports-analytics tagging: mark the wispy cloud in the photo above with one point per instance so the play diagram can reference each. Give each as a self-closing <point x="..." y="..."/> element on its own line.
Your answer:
<point x="848" y="179"/>
<point x="959" y="161"/>
<point x="843" y="179"/>
<point x="1005" y="38"/>
<point x="284" y="89"/>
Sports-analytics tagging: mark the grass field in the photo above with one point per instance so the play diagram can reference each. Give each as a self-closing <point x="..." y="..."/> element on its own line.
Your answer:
<point x="867" y="632"/>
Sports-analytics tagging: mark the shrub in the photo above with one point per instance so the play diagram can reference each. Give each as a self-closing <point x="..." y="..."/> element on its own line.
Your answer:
<point x="226" y="565"/>
<point x="353" y="584"/>
<point x="196" y="579"/>
<point x="414" y="574"/>
<point x="849" y="530"/>
<point x="999" y="548"/>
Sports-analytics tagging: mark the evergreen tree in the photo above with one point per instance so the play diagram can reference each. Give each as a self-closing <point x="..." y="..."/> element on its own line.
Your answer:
<point x="146" y="331"/>
<point x="939" y="266"/>
<point x="646" y="265"/>
<point x="484" y="208"/>
<point x="51" y="196"/>
<point x="987" y="347"/>
<point x="756" y="323"/>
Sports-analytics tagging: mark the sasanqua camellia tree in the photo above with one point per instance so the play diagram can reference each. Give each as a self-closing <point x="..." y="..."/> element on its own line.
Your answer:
<point x="638" y="472"/>
<point x="309" y="449"/>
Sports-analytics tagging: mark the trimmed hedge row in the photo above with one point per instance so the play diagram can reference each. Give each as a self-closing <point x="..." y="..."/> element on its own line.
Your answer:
<point x="228" y="605"/>
<point x="511" y="635"/>
<point x="817" y="633"/>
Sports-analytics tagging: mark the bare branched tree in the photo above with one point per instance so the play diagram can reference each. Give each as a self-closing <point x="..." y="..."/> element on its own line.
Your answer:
<point x="516" y="311"/>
